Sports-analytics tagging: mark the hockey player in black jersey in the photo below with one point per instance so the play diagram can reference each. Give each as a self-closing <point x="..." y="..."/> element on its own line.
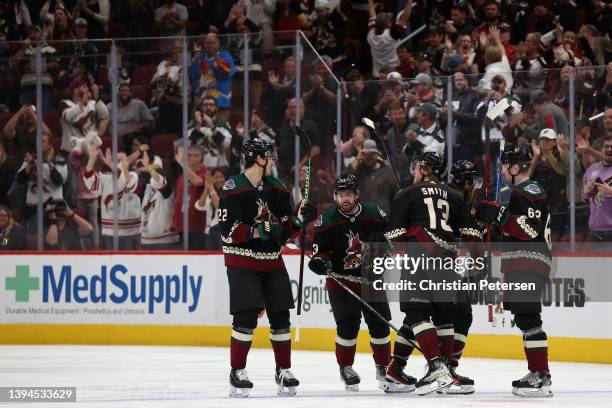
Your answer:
<point x="524" y="225"/>
<point x="340" y="235"/>
<point x="466" y="179"/>
<point x="425" y="215"/>
<point x="256" y="218"/>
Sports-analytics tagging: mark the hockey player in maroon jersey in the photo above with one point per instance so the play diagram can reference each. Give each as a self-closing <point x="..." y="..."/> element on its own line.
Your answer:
<point x="338" y="250"/>
<point x="425" y="215"/>
<point x="524" y="225"/>
<point x="466" y="179"/>
<point x="256" y="218"/>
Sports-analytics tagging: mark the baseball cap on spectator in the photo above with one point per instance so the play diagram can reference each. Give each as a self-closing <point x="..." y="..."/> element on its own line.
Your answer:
<point x="548" y="134"/>
<point x="504" y="27"/>
<point x="454" y="61"/>
<point x="322" y="4"/>
<point x="394" y="76"/>
<point x="370" y="146"/>
<point x="423" y="79"/>
<point x="76" y="83"/>
<point x="538" y="96"/>
<point x="80" y="22"/>
<point x="426" y="108"/>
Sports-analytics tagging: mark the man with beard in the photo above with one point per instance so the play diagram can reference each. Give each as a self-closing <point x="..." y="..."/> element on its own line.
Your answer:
<point x="133" y="115"/>
<point x="212" y="133"/>
<point x="338" y="250"/>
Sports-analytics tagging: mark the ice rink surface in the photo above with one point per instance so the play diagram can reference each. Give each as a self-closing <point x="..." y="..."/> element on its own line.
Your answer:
<point x="189" y="377"/>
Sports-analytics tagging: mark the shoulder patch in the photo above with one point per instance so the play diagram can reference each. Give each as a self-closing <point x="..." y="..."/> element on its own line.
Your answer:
<point x="230" y="184"/>
<point x="533" y="188"/>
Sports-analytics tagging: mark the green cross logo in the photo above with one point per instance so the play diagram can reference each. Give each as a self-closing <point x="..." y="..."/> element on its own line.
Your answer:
<point x="22" y="283"/>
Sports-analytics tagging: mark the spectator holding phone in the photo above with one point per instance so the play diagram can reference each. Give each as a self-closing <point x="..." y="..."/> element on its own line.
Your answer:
<point x="65" y="229"/>
<point x="54" y="175"/>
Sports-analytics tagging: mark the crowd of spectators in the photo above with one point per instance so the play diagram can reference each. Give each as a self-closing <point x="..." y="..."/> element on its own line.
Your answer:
<point x="485" y="52"/>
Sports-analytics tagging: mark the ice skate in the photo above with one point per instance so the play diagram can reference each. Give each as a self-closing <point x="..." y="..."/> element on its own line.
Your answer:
<point x="536" y="384"/>
<point x="350" y="378"/>
<point x="240" y="386"/>
<point x="286" y="381"/>
<point x="461" y="385"/>
<point x="437" y="377"/>
<point x="392" y="378"/>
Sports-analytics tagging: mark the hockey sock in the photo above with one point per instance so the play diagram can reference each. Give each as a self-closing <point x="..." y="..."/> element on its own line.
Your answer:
<point x="403" y="346"/>
<point x="426" y="336"/>
<point x="281" y="344"/>
<point x="381" y="350"/>
<point x="536" y="349"/>
<point x="459" y="345"/>
<point x="240" y="346"/>
<point x="345" y="351"/>
<point x="446" y="337"/>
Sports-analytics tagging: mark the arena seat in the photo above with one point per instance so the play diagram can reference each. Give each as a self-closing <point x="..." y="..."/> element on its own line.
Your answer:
<point x="142" y="75"/>
<point x="52" y="120"/>
<point x="163" y="145"/>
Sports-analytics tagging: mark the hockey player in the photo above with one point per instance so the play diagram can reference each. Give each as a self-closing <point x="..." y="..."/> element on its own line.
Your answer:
<point x="256" y="217"/>
<point x="466" y="179"/>
<point x="525" y="227"/>
<point x="425" y="215"/>
<point x="338" y="251"/>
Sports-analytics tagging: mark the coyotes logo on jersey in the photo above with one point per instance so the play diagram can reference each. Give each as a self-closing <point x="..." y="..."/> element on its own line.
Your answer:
<point x="263" y="213"/>
<point x="353" y="251"/>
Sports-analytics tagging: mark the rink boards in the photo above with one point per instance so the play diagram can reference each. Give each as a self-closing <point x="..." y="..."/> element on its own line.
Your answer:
<point x="179" y="299"/>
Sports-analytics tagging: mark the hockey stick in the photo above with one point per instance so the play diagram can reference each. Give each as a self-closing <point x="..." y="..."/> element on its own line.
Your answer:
<point x="363" y="302"/>
<point x="370" y="125"/>
<point x="302" y="134"/>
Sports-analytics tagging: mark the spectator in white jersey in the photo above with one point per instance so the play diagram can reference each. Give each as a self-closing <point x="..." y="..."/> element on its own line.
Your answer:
<point x="384" y="36"/>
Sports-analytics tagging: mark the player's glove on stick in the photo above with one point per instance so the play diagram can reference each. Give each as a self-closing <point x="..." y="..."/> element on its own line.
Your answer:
<point x="487" y="211"/>
<point x="306" y="213"/>
<point x="270" y="232"/>
<point x="319" y="266"/>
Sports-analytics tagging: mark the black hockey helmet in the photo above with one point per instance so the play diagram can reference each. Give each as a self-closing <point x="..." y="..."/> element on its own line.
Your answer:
<point x="346" y="182"/>
<point x="516" y="155"/>
<point x="254" y="147"/>
<point x="465" y="170"/>
<point x="432" y="159"/>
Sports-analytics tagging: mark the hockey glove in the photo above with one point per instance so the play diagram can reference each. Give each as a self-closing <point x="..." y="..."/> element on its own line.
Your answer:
<point x="270" y="232"/>
<point x="487" y="211"/>
<point x="306" y="213"/>
<point x="320" y="266"/>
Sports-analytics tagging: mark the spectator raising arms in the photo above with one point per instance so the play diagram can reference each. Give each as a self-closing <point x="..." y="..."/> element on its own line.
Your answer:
<point x="156" y="228"/>
<point x="384" y="35"/>
<point x="128" y="202"/>
<point x="195" y="171"/>
<point x="211" y="73"/>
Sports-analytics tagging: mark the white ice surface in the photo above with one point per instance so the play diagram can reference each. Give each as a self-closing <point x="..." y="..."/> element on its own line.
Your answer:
<point x="188" y="377"/>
